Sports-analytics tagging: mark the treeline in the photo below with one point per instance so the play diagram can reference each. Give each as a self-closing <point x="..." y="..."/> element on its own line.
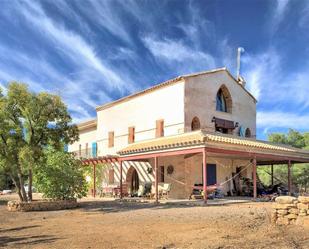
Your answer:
<point x="300" y="172"/>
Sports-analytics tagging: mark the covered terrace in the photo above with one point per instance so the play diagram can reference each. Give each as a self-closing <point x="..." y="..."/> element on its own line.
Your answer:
<point x="208" y="145"/>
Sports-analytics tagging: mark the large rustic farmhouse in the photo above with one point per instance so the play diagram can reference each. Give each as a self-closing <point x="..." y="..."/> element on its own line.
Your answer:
<point x="191" y="132"/>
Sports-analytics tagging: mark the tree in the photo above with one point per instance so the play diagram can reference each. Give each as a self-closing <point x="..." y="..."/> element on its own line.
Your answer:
<point x="62" y="176"/>
<point x="300" y="172"/>
<point x="30" y="122"/>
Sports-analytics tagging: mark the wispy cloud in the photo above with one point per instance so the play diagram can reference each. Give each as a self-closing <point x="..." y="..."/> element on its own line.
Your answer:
<point x="177" y="54"/>
<point x="279" y="13"/>
<point x="73" y="45"/>
<point x="261" y="71"/>
<point x="280" y="119"/>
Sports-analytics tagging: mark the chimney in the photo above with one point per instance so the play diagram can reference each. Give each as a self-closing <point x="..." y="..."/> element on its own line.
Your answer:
<point x="239" y="51"/>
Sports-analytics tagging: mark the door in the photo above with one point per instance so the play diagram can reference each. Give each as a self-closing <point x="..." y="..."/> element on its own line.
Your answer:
<point x="211" y="174"/>
<point x="134" y="182"/>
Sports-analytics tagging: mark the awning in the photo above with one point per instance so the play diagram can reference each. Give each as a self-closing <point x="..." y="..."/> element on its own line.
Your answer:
<point x="214" y="142"/>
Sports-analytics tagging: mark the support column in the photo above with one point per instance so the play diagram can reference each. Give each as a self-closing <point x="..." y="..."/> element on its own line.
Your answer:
<point x="205" y="175"/>
<point x="272" y="175"/>
<point x="94" y="180"/>
<point x="156" y="180"/>
<point x="289" y="177"/>
<point x="254" y="179"/>
<point x="121" y="194"/>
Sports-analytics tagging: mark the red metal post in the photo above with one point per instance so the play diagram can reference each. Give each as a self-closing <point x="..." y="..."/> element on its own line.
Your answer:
<point x="289" y="177"/>
<point x="121" y="194"/>
<point x="156" y="179"/>
<point x="254" y="179"/>
<point x="94" y="180"/>
<point x="205" y="175"/>
<point x="272" y="175"/>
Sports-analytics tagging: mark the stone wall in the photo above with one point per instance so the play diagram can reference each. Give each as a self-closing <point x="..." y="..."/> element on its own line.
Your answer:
<point x="290" y="210"/>
<point x="41" y="205"/>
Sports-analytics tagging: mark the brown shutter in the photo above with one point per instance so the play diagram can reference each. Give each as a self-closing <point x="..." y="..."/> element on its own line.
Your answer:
<point x="80" y="150"/>
<point x="131" y="136"/>
<point x="86" y="149"/>
<point x="160" y="128"/>
<point x="110" y="139"/>
<point x="111" y="176"/>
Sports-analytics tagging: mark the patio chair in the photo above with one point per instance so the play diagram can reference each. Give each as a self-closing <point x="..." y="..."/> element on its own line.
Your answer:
<point x="164" y="189"/>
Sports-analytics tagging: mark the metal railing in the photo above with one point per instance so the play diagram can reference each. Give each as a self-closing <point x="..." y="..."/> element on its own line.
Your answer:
<point x="85" y="153"/>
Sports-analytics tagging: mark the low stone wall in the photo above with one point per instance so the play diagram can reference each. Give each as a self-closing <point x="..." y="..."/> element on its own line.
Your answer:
<point x="290" y="210"/>
<point x="44" y="205"/>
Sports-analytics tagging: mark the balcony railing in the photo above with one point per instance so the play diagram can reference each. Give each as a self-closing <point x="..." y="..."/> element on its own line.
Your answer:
<point x="85" y="153"/>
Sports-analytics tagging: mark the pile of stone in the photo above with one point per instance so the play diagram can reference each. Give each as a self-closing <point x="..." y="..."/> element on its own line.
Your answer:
<point x="290" y="210"/>
<point x="42" y="205"/>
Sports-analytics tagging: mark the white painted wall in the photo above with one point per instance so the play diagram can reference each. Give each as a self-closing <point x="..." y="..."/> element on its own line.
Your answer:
<point x="85" y="136"/>
<point x="141" y="112"/>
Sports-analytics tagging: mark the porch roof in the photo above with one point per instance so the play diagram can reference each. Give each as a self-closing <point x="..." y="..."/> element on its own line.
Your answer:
<point x="212" y="140"/>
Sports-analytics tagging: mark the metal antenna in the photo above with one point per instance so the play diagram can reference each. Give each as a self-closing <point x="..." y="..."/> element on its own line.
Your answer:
<point x="239" y="51"/>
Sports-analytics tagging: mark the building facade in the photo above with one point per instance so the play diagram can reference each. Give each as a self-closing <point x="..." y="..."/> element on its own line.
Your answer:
<point x="211" y="102"/>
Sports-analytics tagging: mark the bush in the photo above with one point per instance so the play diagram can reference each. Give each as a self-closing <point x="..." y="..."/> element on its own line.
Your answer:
<point x="62" y="176"/>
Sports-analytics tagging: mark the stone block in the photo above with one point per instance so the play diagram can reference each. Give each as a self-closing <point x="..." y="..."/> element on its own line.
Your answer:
<point x="291" y="216"/>
<point x="283" y="221"/>
<point x="282" y="211"/>
<point x="302" y="206"/>
<point x="303" y="199"/>
<point x="293" y="211"/>
<point x="285" y="200"/>
<point x="284" y="206"/>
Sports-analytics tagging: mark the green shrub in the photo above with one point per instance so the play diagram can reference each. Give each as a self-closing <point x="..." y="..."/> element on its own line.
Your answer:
<point x="62" y="176"/>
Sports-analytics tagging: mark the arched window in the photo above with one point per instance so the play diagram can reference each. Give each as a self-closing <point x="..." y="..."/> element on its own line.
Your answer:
<point x="195" y="124"/>
<point x="248" y="133"/>
<point x="223" y="100"/>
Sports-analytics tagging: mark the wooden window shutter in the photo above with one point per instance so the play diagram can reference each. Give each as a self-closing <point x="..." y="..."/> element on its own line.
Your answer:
<point x="160" y="128"/>
<point x="111" y="176"/>
<point x="131" y="136"/>
<point x="110" y="139"/>
<point x="80" y="150"/>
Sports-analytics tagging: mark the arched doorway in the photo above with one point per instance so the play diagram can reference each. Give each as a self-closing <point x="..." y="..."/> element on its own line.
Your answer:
<point x="132" y="180"/>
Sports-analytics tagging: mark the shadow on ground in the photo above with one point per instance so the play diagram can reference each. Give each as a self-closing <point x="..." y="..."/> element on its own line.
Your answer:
<point x="3" y="202"/>
<point x="11" y="240"/>
<point x="116" y="206"/>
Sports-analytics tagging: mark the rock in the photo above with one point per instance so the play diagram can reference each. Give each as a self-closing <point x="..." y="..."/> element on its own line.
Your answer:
<point x="285" y="200"/>
<point x="284" y="206"/>
<point x="293" y="211"/>
<point x="282" y="211"/>
<point x="283" y="221"/>
<point x="291" y="216"/>
<point x="303" y="199"/>
<point x="302" y="206"/>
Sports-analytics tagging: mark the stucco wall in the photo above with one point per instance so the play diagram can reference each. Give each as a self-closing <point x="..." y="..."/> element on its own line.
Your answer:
<point x="85" y="136"/>
<point x="200" y="101"/>
<point x="187" y="172"/>
<point x="141" y="112"/>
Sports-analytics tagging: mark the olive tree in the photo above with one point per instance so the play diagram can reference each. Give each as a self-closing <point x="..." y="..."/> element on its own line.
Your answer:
<point x="29" y="122"/>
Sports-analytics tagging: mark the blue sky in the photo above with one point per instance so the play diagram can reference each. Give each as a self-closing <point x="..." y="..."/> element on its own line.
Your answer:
<point x="92" y="52"/>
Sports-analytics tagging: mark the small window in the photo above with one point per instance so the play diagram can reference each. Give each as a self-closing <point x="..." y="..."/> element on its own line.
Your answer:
<point x="221" y="103"/>
<point x="131" y="135"/>
<point x="161" y="173"/>
<point x="248" y="133"/>
<point x="223" y="100"/>
<point x="160" y="128"/>
<point x="195" y="124"/>
<point x="110" y="139"/>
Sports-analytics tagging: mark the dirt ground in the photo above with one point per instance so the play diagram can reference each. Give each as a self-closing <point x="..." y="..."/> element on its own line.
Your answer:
<point x="111" y="224"/>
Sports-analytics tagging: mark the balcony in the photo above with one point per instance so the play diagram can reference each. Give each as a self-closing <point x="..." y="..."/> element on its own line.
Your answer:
<point x="85" y="153"/>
